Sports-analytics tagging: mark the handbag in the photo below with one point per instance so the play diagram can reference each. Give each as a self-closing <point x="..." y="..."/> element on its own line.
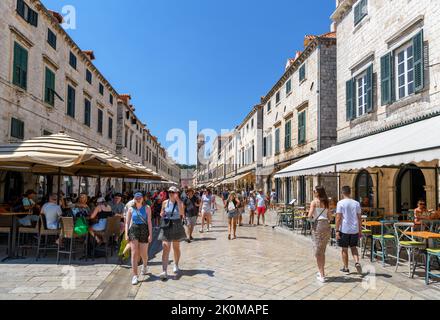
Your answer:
<point x="166" y="223"/>
<point x="313" y="222"/>
<point x="81" y="227"/>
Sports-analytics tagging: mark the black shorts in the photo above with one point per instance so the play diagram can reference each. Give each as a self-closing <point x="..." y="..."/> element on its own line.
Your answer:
<point x="348" y="240"/>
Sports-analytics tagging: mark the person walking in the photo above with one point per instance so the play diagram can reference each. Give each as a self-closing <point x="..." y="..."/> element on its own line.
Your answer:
<point x="171" y="230"/>
<point x="273" y="199"/>
<point x="192" y="204"/>
<point x="232" y="205"/>
<point x="138" y="231"/>
<point x="349" y="228"/>
<point x="320" y="216"/>
<point x="252" y="208"/>
<point x="240" y="208"/>
<point x="207" y="208"/>
<point x="261" y="207"/>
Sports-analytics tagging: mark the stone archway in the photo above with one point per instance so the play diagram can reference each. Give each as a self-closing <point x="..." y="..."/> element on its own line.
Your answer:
<point x="410" y="188"/>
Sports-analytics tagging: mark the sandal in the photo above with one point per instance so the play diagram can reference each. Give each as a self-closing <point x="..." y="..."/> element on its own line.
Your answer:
<point x="229" y="237"/>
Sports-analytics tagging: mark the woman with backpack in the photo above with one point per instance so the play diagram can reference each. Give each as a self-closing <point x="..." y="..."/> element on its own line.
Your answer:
<point x="232" y="207"/>
<point x="139" y="231"/>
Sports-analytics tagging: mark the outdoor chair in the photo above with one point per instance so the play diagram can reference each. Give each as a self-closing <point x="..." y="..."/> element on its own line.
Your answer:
<point x="27" y="236"/>
<point x="6" y="228"/>
<point x="110" y="236"/>
<point x="68" y="234"/>
<point x="46" y="233"/>
<point x="413" y="248"/>
<point x="385" y="237"/>
<point x="431" y="253"/>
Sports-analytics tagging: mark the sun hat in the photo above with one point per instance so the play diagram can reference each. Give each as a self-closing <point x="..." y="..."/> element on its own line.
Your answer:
<point x="100" y="200"/>
<point x="173" y="190"/>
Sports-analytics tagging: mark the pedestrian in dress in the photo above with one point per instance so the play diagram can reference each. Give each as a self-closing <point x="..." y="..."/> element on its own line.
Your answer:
<point x="139" y="231"/>
<point x="320" y="216"/>
<point x="207" y="209"/>
<point x="172" y="231"/>
<point x="252" y="208"/>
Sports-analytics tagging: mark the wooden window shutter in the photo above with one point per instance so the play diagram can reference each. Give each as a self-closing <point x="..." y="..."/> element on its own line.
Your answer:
<point x="370" y="88"/>
<point x="419" y="66"/>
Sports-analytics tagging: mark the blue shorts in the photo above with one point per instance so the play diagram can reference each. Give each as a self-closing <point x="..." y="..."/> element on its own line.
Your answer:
<point x="100" y="226"/>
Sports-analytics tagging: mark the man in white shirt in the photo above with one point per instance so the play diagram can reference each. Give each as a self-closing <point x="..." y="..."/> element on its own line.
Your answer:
<point x="348" y="228"/>
<point x="52" y="211"/>
<point x="261" y="207"/>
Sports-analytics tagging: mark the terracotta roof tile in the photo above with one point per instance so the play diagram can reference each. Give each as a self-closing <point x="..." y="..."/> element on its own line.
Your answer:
<point x="57" y="16"/>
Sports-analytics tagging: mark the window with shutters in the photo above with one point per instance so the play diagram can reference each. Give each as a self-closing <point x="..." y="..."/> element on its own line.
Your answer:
<point x="302" y="73"/>
<point x="289" y="86"/>
<point x="110" y="128"/>
<point x="19" y="77"/>
<point x="49" y="87"/>
<point x="269" y="106"/>
<point x="87" y="112"/>
<point x="288" y="135"/>
<point x="17" y="129"/>
<point x="278" y="97"/>
<point x="71" y="101"/>
<point x="51" y="39"/>
<point x="302" y="127"/>
<point x="277" y="141"/>
<point x="29" y="15"/>
<point x="89" y="76"/>
<point x="101" y="89"/>
<point x="72" y="60"/>
<point x="360" y="11"/>
<point x="111" y="99"/>
<point x="265" y="147"/>
<point x="361" y="89"/>
<point x="100" y="121"/>
<point x="404" y="64"/>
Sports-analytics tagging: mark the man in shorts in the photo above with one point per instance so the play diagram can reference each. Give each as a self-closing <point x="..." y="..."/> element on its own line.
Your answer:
<point x="261" y="207"/>
<point x="192" y="204"/>
<point x="349" y="228"/>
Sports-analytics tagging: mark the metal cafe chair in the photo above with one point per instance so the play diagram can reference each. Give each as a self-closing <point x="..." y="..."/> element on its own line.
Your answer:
<point x="68" y="234"/>
<point x="385" y="238"/>
<point x="413" y="248"/>
<point x="46" y="233"/>
<point x="109" y="236"/>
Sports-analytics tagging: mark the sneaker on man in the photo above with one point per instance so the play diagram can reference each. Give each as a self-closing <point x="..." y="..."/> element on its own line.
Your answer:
<point x="163" y="276"/>
<point x="358" y="268"/>
<point x="345" y="271"/>
<point x="134" y="281"/>
<point x="144" y="270"/>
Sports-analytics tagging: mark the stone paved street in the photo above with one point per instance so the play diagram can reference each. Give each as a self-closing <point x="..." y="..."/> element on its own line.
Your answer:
<point x="264" y="263"/>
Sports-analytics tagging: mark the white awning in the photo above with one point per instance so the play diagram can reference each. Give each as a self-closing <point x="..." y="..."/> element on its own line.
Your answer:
<point x="416" y="142"/>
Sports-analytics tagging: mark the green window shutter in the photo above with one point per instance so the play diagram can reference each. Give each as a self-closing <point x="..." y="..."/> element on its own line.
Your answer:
<point x="302" y="127"/>
<point x="17" y="63"/>
<point x="49" y="91"/>
<point x="19" y="77"/>
<point x="385" y="75"/>
<point x="370" y="88"/>
<point x="357" y="13"/>
<point x="419" y="66"/>
<point x="349" y="99"/>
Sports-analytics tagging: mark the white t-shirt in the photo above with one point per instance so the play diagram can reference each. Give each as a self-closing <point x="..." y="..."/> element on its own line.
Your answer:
<point x="261" y="202"/>
<point x="350" y="210"/>
<point x="53" y="213"/>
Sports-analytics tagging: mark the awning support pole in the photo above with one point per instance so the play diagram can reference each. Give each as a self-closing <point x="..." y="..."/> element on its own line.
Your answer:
<point x="59" y="186"/>
<point x="377" y="191"/>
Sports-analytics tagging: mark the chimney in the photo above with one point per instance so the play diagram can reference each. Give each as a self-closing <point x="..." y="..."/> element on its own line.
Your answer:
<point x="90" y="54"/>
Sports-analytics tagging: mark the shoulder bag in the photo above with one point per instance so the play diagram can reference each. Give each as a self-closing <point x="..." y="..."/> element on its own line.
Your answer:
<point x="165" y="223"/>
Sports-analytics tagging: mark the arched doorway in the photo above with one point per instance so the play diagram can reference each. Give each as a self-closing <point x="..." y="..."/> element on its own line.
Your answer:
<point x="14" y="186"/>
<point x="364" y="189"/>
<point x="410" y="188"/>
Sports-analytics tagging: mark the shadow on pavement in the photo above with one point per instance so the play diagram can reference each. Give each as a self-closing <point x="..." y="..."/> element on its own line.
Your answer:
<point x="203" y="239"/>
<point x="192" y="273"/>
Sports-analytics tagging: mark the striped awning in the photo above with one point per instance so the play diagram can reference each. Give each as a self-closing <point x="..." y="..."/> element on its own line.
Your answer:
<point x="60" y="153"/>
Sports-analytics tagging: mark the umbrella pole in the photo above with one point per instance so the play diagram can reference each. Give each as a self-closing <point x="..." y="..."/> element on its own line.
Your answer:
<point x="59" y="186"/>
<point x="122" y="187"/>
<point x="79" y="186"/>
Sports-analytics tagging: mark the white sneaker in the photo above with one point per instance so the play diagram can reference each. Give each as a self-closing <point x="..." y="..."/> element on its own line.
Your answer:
<point x="144" y="270"/>
<point x="163" y="276"/>
<point x="176" y="269"/>
<point x="134" y="281"/>
<point x="320" y="278"/>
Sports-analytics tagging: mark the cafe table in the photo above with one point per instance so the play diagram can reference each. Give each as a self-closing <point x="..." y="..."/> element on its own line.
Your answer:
<point x="425" y="235"/>
<point x="12" y="250"/>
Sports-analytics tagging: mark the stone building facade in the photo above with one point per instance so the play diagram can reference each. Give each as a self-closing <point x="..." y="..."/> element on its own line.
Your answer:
<point x="387" y="68"/>
<point x="300" y="118"/>
<point x="48" y="84"/>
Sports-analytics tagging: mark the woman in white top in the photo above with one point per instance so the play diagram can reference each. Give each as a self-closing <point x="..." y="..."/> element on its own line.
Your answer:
<point x="206" y="209"/>
<point x="321" y="216"/>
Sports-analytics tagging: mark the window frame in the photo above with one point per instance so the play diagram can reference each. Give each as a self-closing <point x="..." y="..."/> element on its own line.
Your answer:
<point x="100" y="126"/>
<point x="21" y="129"/>
<point x="361" y="77"/>
<point x="73" y="60"/>
<point x="49" y="98"/>
<point x="404" y="49"/>
<point x="71" y="100"/>
<point x="52" y="38"/>
<point x="87" y="112"/>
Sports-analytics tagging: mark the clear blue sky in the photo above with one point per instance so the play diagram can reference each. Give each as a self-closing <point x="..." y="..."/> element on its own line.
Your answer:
<point x="203" y="60"/>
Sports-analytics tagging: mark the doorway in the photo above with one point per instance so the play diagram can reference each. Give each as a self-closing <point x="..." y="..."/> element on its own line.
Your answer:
<point x="14" y="186"/>
<point x="410" y="188"/>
